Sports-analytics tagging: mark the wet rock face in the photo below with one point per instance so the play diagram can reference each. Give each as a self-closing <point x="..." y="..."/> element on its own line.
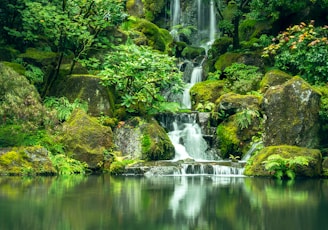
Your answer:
<point x="291" y="111"/>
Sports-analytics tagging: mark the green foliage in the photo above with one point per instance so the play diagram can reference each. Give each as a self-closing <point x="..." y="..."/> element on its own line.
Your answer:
<point x="214" y="75"/>
<point x="140" y="75"/>
<point x="302" y="50"/>
<point x="242" y="78"/>
<point x="68" y="166"/>
<point x="68" y="26"/>
<point x="63" y="107"/>
<point x="245" y="118"/>
<point x="282" y="167"/>
<point x="34" y="74"/>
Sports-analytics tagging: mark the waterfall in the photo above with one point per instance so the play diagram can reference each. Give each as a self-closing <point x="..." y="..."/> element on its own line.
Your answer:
<point x="176" y="12"/>
<point x="212" y="29"/>
<point x="196" y="76"/>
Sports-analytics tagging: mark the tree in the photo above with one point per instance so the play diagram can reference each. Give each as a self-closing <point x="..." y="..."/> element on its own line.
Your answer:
<point x="140" y="75"/>
<point x="68" y="26"/>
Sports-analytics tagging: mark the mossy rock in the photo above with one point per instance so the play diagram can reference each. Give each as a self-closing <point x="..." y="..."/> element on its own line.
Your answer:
<point x="139" y="138"/>
<point x="156" y="144"/>
<point x="206" y="91"/>
<point x="38" y="57"/>
<point x="179" y="47"/>
<point x="234" y="140"/>
<point x="32" y="160"/>
<point x="85" y="139"/>
<point x="226" y="60"/>
<point x="232" y="102"/>
<point x="273" y="78"/>
<point x="19" y="100"/>
<point x="325" y="167"/>
<point x="87" y="88"/>
<point x="135" y="8"/>
<point x="220" y="46"/>
<point x="191" y="52"/>
<point x="19" y="68"/>
<point x="147" y="33"/>
<point x="292" y="111"/>
<point x="250" y="28"/>
<point x="249" y="58"/>
<point x="256" y="167"/>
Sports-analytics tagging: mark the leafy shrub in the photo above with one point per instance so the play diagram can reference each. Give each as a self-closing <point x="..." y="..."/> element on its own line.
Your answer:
<point x="63" y="107"/>
<point x="302" y="50"/>
<point x="140" y="75"/>
<point x="242" y="78"/>
<point x="68" y="166"/>
<point x="284" y="168"/>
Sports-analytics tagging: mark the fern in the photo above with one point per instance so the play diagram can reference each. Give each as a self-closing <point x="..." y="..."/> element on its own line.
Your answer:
<point x="68" y="166"/>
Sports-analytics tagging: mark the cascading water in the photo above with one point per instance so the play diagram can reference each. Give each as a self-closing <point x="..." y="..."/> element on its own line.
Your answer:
<point x="176" y="13"/>
<point x="196" y="76"/>
<point x="212" y="29"/>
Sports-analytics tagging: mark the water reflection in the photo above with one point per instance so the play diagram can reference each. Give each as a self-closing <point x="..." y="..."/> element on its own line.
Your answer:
<point x="207" y="202"/>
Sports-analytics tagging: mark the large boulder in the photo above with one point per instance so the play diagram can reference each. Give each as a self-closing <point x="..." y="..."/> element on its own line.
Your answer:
<point x="138" y="138"/>
<point x="292" y="114"/>
<point x="87" y="88"/>
<point x="274" y="78"/>
<point x="32" y="160"/>
<point x="85" y="139"/>
<point x="20" y="103"/>
<point x="256" y="167"/>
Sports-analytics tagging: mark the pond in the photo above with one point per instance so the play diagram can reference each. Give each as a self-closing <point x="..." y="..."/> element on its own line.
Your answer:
<point x="166" y="202"/>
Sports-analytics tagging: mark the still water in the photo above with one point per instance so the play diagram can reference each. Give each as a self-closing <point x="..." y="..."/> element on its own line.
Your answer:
<point x="207" y="202"/>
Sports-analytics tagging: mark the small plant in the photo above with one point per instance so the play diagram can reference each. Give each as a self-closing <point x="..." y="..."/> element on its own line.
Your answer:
<point x="206" y="107"/>
<point x="282" y="167"/>
<point x="63" y="107"/>
<point x="242" y="78"/>
<point x="245" y="118"/>
<point x="68" y="166"/>
<point x="234" y="158"/>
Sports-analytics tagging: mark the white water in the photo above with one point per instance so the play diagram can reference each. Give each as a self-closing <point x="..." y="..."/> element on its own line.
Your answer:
<point x="196" y="76"/>
<point x="175" y="8"/>
<point x="212" y="30"/>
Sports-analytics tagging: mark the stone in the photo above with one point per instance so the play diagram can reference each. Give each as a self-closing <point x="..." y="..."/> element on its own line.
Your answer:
<point x="31" y="160"/>
<point x="89" y="89"/>
<point x="143" y="139"/>
<point x="85" y="139"/>
<point x="273" y="78"/>
<point x="292" y="114"/>
<point x="256" y="167"/>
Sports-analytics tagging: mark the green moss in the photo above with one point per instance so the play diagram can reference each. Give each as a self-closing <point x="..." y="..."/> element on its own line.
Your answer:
<point x="272" y="78"/>
<point x="191" y="52"/>
<point x="226" y="60"/>
<point x="220" y="46"/>
<point x="16" y="66"/>
<point x="35" y="54"/>
<point x="255" y="167"/>
<point x="155" y="143"/>
<point x="228" y="138"/>
<point x="206" y="91"/>
<point x="150" y="34"/>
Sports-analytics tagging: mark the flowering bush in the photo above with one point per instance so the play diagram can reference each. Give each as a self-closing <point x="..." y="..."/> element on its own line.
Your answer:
<point x="302" y="50"/>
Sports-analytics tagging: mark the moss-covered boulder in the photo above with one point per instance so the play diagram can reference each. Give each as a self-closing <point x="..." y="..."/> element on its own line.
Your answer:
<point x="249" y="58"/>
<point x="20" y="103"/>
<point x="87" y="88"/>
<point x="192" y="52"/>
<point x="8" y="53"/>
<point x="138" y="138"/>
<point x="273" y="78"/>
<point x="85" y="139"/>
<point x="233" y="138"/>
<point x="144" y="32"/>
<point x="232" y="102"/>
<point x="251" y="28"/>
<point x="205" y="92"/>
<point x="38" y="57"/>
<point x="31" y="160"/>
<point x="256" y="167"/>
<point x="292" y="112"/>
<point x="135" y="8"/>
